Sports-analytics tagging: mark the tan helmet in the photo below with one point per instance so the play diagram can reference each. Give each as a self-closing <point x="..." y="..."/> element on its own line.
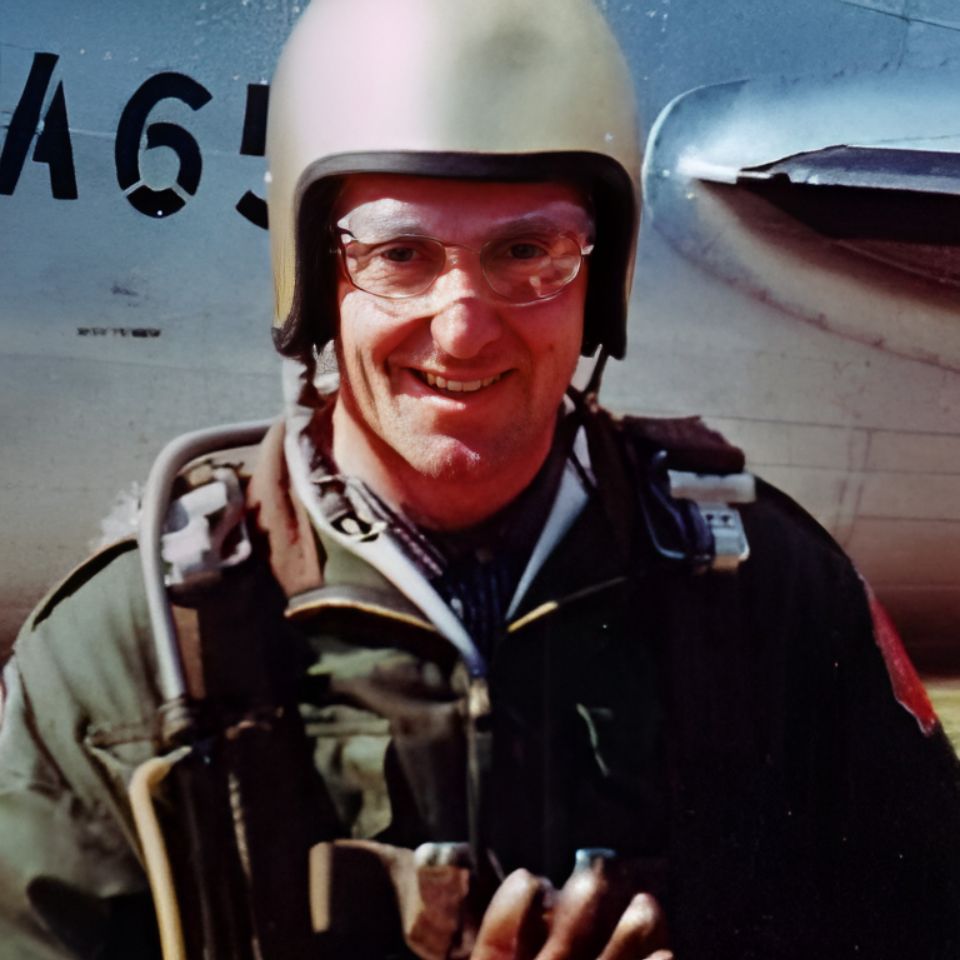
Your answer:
<point x="492" y="89"/>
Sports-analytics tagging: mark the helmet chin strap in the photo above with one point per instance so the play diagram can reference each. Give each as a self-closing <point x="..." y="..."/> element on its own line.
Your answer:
<point x="593" y="385"/>
<point x="586" y="399"/>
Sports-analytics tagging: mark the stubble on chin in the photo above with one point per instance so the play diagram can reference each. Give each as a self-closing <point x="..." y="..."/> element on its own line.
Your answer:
<point x="438" y="457"/>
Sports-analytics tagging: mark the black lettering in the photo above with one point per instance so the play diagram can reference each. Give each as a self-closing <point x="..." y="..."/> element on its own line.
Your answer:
<point x="130" y="131"/>
<point x="253" y="143"/>
<point x="141" y="333"/>
<point x="254" y="208"/>
<point x="55" y="149"/>
<point x="53" y="144"/>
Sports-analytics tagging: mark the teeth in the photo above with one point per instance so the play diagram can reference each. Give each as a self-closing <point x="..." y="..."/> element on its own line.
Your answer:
<point x="459" y="386"/>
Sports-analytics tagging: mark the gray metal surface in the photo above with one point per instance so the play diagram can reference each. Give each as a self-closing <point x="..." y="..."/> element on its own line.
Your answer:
<point x="122" y="329"/>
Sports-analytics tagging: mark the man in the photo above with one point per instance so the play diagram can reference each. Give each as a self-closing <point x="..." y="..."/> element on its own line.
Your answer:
<point x="478" y="620"/>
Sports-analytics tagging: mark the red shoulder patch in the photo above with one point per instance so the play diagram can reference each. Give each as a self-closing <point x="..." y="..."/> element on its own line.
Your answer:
<point x="907" y="687"/>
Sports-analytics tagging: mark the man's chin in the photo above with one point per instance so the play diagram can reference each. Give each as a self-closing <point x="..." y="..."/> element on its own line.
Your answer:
<point x="449" y="460"/>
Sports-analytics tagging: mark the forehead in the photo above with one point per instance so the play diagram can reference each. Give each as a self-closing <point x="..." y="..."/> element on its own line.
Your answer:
<point x="456" y="209"/>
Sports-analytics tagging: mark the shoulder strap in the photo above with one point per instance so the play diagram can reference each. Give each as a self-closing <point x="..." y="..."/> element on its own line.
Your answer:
<point x="690" y="445"/>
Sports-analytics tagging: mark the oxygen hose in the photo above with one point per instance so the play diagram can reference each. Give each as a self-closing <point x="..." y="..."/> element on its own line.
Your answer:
<point x="156" y="501"/>
<point x="176" y="711"/>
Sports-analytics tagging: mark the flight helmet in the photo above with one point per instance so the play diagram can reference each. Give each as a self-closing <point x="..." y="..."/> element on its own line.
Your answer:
<point x="508" y="90"/>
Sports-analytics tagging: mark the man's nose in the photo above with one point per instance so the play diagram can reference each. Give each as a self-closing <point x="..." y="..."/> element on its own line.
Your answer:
<point x="466" y="318"/>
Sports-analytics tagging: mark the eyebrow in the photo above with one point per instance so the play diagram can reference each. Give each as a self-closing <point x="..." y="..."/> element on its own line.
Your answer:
<point x="388" y="226"/>
<point x="537" y="221"/>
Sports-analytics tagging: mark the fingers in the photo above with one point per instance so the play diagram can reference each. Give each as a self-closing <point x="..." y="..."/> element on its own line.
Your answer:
<point x="639" y="931"/>
<point x="585" y="914"/>
<point x="590" y="907"/>
<point x="588" y="923"/>
<point x="513" y="927"/>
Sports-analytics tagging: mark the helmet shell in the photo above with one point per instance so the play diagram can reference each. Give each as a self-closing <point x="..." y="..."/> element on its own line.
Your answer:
<point x="494" y="89"/>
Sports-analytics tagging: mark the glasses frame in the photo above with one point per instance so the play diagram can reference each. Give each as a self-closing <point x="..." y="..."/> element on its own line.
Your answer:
<point x="339" y="248"/>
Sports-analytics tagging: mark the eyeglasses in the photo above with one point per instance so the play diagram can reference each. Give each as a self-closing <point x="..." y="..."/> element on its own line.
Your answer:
<point x="521" y="268"/>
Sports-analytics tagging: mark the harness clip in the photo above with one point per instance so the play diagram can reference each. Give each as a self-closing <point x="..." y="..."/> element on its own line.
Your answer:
<point x="205" y="532"/>
<point x="713" y="497"/>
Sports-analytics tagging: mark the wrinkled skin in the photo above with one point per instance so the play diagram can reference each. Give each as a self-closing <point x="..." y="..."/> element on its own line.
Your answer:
<point x="587" y="920"/>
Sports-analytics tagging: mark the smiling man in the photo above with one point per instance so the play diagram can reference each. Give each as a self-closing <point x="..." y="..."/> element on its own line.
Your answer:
<point x="455" y="353"/>
<point x="463" y="636"/>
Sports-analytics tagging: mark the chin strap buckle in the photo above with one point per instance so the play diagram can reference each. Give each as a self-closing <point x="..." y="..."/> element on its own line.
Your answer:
<point x="714" y="496"/>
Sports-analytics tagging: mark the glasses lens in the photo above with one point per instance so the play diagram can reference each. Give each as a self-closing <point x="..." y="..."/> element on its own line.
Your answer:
<point x="401" y="267"/>
<point x="530" y="267"/>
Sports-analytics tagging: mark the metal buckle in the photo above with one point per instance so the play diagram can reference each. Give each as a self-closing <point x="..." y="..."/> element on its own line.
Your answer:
<point x="197" y="527"/>
<point x="713" y="496"/>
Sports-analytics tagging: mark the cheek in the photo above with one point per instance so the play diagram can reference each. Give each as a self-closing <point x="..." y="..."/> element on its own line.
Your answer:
<point x="555" y="335"/>
<point x="368" y="330"/>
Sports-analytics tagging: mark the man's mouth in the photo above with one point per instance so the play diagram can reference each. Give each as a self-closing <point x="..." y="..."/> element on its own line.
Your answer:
<point x="456" y="386"/>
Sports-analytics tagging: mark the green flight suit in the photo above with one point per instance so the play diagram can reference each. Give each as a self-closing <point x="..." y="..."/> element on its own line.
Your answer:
<point x="79" y="716"/>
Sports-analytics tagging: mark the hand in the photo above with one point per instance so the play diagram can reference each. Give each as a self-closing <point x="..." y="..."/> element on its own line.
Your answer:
<point x="587" y="921"/>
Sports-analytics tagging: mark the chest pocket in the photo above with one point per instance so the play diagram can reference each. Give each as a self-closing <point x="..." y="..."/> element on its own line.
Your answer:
<point x="349" y="749"/>
<point x="388" y="735"/>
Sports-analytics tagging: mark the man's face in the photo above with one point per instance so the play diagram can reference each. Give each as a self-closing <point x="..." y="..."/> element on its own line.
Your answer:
<point x="506" y="366"/>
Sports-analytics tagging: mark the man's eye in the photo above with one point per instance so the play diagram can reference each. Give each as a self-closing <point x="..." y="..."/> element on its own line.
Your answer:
<point x="399" y="254"/>
<point x="525" y="250"/>
<point x="402" y="250"/>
